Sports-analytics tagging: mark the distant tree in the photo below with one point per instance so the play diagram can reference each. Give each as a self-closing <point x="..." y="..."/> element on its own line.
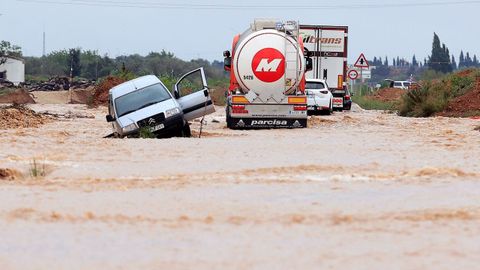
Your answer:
<point x="440" y="58"/>
<point x="55" y="63"/>
<point x="394" y="64"/>
<point x="461" y="60"/>
<point x="386" y="61"/>
<point x="468" y="60"/>
<point x="74" y="62"/>
<point x="8" y="49"/>
<point x="414" y="61"/>
<point x="95" y="66"/>
<point x="454" y="63"/>
<point x="475" y="60"/>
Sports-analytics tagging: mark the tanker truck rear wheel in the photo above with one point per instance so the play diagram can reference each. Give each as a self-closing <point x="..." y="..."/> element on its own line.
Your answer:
<point x="228" y="119"/>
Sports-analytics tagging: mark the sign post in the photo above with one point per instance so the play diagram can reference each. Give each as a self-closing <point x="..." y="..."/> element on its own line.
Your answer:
<point x="362" y="63"/>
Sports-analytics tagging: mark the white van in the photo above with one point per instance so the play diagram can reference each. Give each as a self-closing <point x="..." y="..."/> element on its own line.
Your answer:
<point x="399" y="84"/>
<point x="147" y="103"/>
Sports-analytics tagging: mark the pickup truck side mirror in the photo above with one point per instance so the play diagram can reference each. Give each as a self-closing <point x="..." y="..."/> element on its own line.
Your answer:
<point x="110" y="118"/>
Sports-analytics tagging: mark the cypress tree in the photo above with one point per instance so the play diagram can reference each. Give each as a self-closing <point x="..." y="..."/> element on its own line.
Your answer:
<point x="461" y="60"/>
<point x="454" y="64"/>
<point x="468" y="60"/>
<point x="440" y="58"/>
<point x="414" y="61"/>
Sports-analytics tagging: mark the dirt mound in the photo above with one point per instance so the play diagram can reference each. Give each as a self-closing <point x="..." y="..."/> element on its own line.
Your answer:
<point x="388" y="94"/>
<point x="83" y="96"/>
<point x="17" y="96"/>
<point x="465" y="73"/>
<point x="18" y="116"/>
<point x="317" y="121"/>
<point x="9" y="174"/>
<point x="100" y="96"/>
<point x="464" y="105"/>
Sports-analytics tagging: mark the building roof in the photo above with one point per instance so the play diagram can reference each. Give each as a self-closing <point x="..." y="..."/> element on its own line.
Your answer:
<point x="14" y="57"/>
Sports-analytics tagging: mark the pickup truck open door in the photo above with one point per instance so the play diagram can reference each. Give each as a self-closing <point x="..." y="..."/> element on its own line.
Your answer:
<point x="192" y="93"/>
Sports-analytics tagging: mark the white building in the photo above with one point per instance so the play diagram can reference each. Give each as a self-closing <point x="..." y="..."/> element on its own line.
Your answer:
<point x="13" y="70"/>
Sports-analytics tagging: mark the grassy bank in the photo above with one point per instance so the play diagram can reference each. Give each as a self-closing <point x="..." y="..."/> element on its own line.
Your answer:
<point x="367" y="102"/>
<point x="439" y="96"/>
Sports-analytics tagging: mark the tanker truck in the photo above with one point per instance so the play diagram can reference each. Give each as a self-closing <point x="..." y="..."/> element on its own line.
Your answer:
<point x="267" y="68"/>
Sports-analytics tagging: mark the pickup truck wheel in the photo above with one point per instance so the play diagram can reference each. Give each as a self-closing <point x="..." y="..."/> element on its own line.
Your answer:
<point x="186" y="132"/>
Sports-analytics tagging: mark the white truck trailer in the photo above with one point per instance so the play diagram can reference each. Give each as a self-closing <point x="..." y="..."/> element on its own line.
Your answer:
<point x="267" y="77"/>
<point x="328" y="47"/>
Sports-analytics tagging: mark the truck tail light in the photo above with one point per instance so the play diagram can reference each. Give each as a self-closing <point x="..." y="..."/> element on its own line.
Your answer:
<point x="347" y="97"/>
<point x="299" y="108"/>
<point x="239" y="109"/>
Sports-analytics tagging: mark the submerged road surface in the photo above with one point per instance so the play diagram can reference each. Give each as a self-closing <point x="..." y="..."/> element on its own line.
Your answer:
<point x="356" y="190"/>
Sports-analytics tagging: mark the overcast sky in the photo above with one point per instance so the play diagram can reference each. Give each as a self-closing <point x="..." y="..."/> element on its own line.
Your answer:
<point x="204" y="29"/>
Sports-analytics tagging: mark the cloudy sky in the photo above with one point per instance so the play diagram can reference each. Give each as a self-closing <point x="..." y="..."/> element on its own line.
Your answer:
<point x="204" y="29"/>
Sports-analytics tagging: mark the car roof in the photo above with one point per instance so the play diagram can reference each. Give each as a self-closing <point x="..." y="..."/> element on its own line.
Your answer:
<point x="133" y="85"/>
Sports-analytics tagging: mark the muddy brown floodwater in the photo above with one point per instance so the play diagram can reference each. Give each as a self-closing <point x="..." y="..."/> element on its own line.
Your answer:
<point x="356" y="190"/>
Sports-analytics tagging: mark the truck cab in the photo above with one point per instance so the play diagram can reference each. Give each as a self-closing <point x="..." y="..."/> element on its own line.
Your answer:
<point x="146" y="103"/>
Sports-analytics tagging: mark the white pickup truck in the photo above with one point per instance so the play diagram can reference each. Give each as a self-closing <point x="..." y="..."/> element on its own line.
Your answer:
<point x="146" y="103"/>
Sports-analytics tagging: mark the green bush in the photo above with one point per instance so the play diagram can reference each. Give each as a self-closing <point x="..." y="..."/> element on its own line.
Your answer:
<point x="146" y="133"/>
<point x="434" y="96"/>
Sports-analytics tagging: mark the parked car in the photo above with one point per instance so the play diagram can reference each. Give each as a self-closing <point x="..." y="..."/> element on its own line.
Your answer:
<point x="319" y="98"/>
<point x="399" y="84"/>
<point x="146" y="103"/>
<point x="347" y="101"/>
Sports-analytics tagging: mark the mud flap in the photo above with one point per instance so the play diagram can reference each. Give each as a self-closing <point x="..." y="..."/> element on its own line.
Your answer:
<point x="259" y="123"/>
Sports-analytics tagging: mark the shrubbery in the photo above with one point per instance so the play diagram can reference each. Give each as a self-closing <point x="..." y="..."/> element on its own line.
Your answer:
<point x="434" y="96"/>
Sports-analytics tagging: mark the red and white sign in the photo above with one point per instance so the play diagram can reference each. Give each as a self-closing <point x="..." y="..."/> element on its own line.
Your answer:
<point x="268" y="65"/>
<point x="352" y="74"/>
<point x="361" y="62"/>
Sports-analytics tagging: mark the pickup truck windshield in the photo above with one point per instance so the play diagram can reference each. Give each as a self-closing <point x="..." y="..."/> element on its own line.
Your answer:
<point x="140" y="99"/>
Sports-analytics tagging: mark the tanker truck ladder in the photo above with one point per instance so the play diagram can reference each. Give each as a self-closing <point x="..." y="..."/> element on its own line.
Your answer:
<point x="292" y="70"/>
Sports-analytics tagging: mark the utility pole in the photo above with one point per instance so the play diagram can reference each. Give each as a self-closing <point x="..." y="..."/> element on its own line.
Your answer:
<point x="43" y="51"/>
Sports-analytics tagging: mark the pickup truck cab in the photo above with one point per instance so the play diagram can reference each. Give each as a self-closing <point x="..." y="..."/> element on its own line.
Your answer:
<point x="146" y="103"/>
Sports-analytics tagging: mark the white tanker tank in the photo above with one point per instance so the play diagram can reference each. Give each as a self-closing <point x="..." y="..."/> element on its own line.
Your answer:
<point x="267" y="69"/>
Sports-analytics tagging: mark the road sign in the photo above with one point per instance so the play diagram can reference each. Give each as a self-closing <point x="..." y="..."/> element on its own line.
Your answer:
<point x="361" y="62"/>
<point x="366" y="74"/>
<point x="352" y="74"/>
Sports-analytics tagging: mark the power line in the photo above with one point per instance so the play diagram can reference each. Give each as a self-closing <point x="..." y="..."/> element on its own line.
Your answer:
<point x="130" y="4"/>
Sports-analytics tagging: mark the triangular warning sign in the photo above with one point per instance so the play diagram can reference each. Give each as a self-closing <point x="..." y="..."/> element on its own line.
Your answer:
<point x="361" y="62"/>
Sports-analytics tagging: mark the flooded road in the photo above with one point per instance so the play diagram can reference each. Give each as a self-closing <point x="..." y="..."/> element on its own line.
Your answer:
<point x="356" y="190"/>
